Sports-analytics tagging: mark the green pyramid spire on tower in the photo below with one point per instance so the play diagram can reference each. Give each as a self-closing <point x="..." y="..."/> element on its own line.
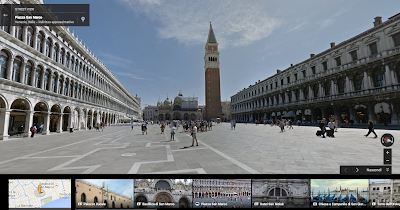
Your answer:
<point x="211" y="36"/>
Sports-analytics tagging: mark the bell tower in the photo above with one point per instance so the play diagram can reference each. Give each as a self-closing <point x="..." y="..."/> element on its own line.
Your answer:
<point x="212" y="79"/>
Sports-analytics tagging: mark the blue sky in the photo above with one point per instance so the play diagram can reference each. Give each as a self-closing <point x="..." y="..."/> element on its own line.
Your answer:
<point x="121" y="186"/>
<point x="156" y="47"/>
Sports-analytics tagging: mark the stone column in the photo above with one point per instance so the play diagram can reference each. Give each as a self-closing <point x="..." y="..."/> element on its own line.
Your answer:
<point x="9" y="68"/>
<point x="56" y="85"/>
<point x="33" y="74"/>
<point x="22" y="73"/>
<point x="60" y="122"/>
<point x="24" y="34"/>
<point x="42" y="79"/>
<point x="28" y="123"/>
<point x="4" y="123"/>
<point x="348" y="90"/>
<point x="46" y="124"/>
<point x="366" y="81"/>
<point x="388" y="76"/>
<point x="91" y="120"/>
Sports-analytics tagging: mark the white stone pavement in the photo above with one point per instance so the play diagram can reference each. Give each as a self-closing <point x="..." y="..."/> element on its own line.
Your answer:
<point x="248" y="149"/>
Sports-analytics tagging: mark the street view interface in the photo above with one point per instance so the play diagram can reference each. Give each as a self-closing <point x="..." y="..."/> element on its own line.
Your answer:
<point x="200" y="104"/>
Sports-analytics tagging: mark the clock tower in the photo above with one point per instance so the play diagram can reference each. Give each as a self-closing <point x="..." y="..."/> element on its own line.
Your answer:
<point x="213" y="90"/>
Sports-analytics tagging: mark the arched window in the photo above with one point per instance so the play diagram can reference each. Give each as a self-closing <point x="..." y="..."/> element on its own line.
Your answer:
<point x="39" y="43"/>
<point x="327" y="88"/>
<point x="358" y="81"/>
<point x="341" y="85"/>
<point x="67" y="61"/>
<point x="315" y="90"/>
<point x="378" y="78"/>
<point x="76" y="65"/>
<point x="48" y="43"/>
<point x="53" y="84"/>
<point x="305" y="92"/>
<point x="55" y="52"/>
<point x="28" y="69"/>
<point x="38" y="75"/>
<point x="62" y="53"/>
<point x="72" y="63"/>
<point x="277" y="192"/>
<point x="46" y="81"/>
<point x="16" y="70"/>
<point x="18" y="32"/>
<point x="59" y="85"/>
<point x="83" y="197"/>
<point x="29" y="36"/>
<point x="3" y="64"/>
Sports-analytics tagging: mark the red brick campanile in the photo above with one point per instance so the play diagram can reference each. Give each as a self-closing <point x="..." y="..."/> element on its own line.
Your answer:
<point x="213" y="90"/>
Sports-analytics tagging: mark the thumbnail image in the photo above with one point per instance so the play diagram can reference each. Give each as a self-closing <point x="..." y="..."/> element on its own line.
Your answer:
<point x="384" y="193"/>
<point x="39" y="193"/>
<point x="339" y="192"/>
<point x="221" y="193"/>
<point x="104" y="193"/>
<point x="287" y="193"/>
<point x="163" y="193"/>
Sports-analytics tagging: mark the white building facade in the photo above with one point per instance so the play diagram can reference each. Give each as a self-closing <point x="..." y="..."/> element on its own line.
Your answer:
<point x="356" y="80"/>
<point x="48" y="76"/>
<point x="385" y="192"/>
<point x="149" y="113"/>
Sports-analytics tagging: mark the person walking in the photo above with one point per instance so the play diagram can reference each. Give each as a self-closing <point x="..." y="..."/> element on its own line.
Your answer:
<point x="194" y="132"/>
<point x="41" y="126"/>
<point x="332" y="126"/>
<point x="172" y="133"/>
<point x="234" y="125"/>
<point x="145" y="128"/>
<point x="282" y="125"/>
<point x="33" y="130"/>
<point x="162" y="128"/>
<point x="322" y="126"/>
<point x="371" y="129"/>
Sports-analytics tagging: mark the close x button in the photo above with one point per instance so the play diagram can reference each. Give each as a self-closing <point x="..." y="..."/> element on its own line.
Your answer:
<point x="365" y="170"/>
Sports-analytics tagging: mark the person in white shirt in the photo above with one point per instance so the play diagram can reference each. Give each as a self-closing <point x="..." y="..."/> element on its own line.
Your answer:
<point x="172" y="133"/>
<point x="194" y="132"/>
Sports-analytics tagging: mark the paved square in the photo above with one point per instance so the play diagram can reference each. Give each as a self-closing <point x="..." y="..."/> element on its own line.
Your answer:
<point x="255" y="149"/>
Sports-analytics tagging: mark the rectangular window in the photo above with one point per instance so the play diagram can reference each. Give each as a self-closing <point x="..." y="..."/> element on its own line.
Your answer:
<point x="354" y="55"/>
<point x="304" y="73"/>
<point x="270" y="86"/>
<point x="276" y="84"/>
<point x="373" y="48"/>
<point x="281" y="82"/>
<point x="396" y="39"/>
<point x="313" y="70"/>
<point x="338" y="61"/>
<point x="325" y="65"/>
<point x="288" y="80"/>
<point x="295" y="77"/>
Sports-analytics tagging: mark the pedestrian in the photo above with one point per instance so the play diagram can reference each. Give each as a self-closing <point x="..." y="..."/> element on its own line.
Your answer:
<point x="33" y="130"/>
<point x="322" y="126"/>
<point x="98" y="127"/>
<point x="145" y="128"/>
<point x="162" y="128"/>
<point x="194" y="132"/>
<point x="332" y="126"/>
<point x="172" y="133"/>
<point x="371" y="129"/>
<point x="234" y="125"/>
<point x="337" y="125"/>
<point x="210" y="125"/>
<point x="290" y="124"/>
<point x="282" y="125"/>
<point x="41" y="126"/>
<point x="142" y="129"/>
<point x="132" y="126"/>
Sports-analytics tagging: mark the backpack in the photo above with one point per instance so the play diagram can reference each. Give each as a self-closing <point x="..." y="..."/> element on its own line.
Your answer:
<point x="32" y="129"/>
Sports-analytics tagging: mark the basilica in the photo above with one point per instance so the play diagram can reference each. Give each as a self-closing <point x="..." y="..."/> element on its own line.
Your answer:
<point x="182" y="108"/>
<point x="173" y="191"/>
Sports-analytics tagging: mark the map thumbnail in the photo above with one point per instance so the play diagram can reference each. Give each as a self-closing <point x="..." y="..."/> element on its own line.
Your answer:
<point x="39" y="193"/>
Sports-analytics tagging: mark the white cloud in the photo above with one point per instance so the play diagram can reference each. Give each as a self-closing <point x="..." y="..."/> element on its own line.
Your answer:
<point x="127" y="74"/>
<point x="235" y="23"/>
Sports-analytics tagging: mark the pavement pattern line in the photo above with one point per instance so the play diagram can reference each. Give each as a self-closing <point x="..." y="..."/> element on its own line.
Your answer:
<point x="135" y="167"/>
<point x="241" y="165"/>
<point x="90" y="169"/>
<point x="55" y="148"/>
<point x="198" y="170"/>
